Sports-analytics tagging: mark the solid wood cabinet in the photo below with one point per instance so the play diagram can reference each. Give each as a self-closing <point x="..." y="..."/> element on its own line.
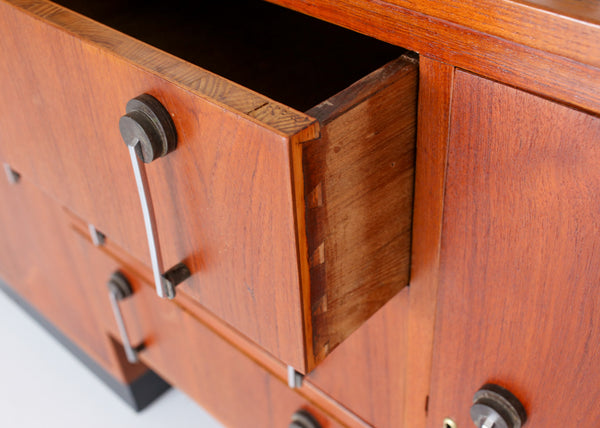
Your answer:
<point x="303" y="219"/>
<point x="263" y="203"/>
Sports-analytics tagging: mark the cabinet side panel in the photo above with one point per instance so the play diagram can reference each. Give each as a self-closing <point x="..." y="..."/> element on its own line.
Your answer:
<point x="518" y="301"/>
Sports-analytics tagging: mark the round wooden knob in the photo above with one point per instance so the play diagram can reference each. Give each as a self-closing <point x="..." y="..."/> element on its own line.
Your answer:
<point x="149" y="124"/>
<point x="496" y="407"/>
<point x="303" y="419"/>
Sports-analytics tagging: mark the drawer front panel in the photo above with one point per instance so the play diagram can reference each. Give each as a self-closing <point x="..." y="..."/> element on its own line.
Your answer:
<point x="226" y="382"/>
<point x="224" y="199"/>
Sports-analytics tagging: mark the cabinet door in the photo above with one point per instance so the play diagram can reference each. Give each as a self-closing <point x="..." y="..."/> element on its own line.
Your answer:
<point x="518" y="298"/>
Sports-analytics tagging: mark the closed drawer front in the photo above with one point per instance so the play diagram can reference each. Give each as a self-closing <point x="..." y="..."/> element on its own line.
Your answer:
<point x="295" y="226"/>
<point x="227" y="383"/>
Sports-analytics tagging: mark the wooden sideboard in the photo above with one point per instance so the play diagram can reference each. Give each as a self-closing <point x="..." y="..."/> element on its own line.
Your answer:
<point x="374" y="229"/>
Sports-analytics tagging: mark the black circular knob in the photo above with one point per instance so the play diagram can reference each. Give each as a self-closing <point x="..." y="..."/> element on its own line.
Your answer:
<point x="496" y="407"/>
<point x="149" y="124"/>
<point x="303" y="419"/>
<point x="119" y="286"/>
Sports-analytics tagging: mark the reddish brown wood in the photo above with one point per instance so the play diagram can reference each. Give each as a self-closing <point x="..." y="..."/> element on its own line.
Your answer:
<point x="41" y="261"/>
<point x="518" y="298"/>
<point x="463" y="45"/>
<point x="359" y="184"/>
<point x="435" y="95"/>
<point x="366" y="373"/>
<point x="192" y="356"/>
<point x="223" y="199"/>
<point x="569" y="28"/>
<point x="119" y="259"/>
<point x="229" y="201"/>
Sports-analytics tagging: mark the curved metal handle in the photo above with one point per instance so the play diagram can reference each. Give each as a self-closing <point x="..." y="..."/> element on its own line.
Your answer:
<point x="149" y="133"/>
<point x="118" y="289"/>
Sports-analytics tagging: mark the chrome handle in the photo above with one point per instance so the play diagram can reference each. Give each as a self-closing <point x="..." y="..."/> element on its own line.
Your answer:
<point x="149" y="133"/>
<point x="118" y="289"/>
<point x="295" y="378"/>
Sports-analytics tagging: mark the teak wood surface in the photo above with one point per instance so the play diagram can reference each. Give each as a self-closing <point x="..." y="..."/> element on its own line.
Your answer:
<point x="518" y="300"/>
<point x="436" y="81"/>
<point x="40" y="259"/>
<point x="230" y="200"/>
<point x="224" y="199"/>
<point x="358" y="181"/>
<point x="191" y="355"/>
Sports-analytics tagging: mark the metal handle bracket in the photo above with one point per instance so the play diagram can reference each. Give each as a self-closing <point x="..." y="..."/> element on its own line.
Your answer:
<point x="119" y="289"/>
<point x="149" y="133"/>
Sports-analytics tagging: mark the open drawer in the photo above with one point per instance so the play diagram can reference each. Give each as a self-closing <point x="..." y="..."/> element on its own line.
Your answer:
<point x="295" y="226"/>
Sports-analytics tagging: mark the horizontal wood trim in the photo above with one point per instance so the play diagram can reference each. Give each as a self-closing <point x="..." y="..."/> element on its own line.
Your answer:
<point x="532" y="69"/>
<point x="564" y="27"/>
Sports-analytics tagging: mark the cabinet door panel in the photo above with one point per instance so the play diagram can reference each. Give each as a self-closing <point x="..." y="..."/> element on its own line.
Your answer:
<point x="518" y="301"/>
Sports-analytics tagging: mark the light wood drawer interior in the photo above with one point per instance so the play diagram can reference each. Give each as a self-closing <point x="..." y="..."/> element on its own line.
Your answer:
<point x="296" y="226"/>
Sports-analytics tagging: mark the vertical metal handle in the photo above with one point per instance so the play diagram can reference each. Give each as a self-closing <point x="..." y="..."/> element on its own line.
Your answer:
<point x="295" y="378"/>
<point x="149" y="133"/>
<point x="118" y="289"/>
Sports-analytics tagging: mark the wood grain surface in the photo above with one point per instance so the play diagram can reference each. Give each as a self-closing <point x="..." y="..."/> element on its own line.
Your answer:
<point x="569" y="28"/>
<point x="359" y="189"/>
<point x="224" y="199"/>
<point x="462" y="44"/>
<point x="436" y="81"/>
<point x="518" y="301"/>
<point x="222" y="379"/>
<point x="367" y="372"/>
<point x="229" y="201"/>
<point x="116" y="258"/>
<point x="41" y="261"/>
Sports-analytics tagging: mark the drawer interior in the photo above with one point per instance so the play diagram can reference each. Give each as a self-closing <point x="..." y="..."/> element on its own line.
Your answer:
<point x="292" y="58"/>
